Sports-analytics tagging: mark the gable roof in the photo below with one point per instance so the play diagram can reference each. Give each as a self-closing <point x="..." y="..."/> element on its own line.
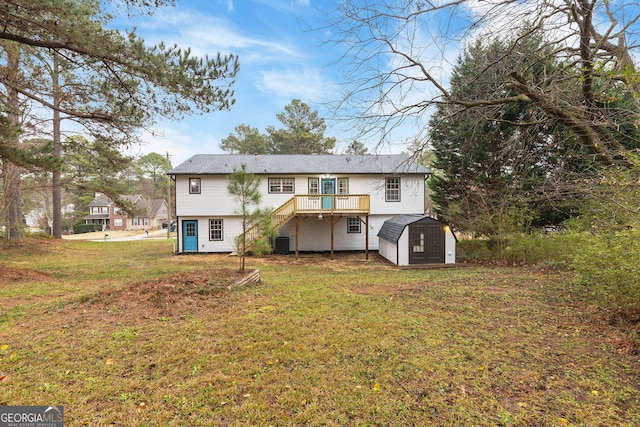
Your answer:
<point x="150" y="207"/>
<point x="392" y="228"/>
<point x="100" y="200"/>
<point x="210" y="164"/>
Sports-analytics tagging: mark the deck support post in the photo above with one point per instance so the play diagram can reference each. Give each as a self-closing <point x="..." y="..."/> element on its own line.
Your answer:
<point x="297" y="228"/>
<point x="366" y="239"/>
<point x="332" y="222"/>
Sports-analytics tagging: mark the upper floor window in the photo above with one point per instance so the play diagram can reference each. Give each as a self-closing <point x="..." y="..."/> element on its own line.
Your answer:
<point x="281" y="185"/>
<point x="314" y="185"/>
<point x="215" y="229"/>
<point x="194" y="185"/>
<point x="343" y="185"/>
<point x="392" y="189"/>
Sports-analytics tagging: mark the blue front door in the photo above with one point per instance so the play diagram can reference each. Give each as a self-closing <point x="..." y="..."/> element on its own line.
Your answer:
<point x="328" y="187"/>
<point x="190" y="236"/>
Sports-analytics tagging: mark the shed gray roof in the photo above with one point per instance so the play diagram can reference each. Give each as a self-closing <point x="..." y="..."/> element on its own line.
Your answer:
<point x="203" y="164"/>
<point x="392" y="228"/>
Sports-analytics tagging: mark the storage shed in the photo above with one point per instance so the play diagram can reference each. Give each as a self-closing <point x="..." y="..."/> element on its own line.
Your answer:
<point x="411" y="239"/>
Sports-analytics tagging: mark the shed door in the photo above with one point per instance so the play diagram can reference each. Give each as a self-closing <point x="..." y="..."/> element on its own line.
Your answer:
<point x="190" y="236"/>
<point x="417" y="240"/>
<point x="435" y="243"/>
<point x="426" y="243"/>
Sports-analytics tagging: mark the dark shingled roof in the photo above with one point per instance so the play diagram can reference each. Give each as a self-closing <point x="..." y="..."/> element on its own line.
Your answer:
<point x="207" y="164"/>
<point x="392" y="228"/>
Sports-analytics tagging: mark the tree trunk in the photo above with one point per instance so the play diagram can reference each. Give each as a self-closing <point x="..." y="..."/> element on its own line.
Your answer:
<point x="12" y="189"/>
<point x="56" y="193"/>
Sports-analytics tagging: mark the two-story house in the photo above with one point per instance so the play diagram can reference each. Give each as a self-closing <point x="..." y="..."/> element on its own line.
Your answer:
<point x="146" y="214"/>
<point x="319" y="202"/>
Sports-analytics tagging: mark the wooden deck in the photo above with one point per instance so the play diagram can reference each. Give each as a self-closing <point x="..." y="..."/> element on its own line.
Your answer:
<point x="329" y="207"/>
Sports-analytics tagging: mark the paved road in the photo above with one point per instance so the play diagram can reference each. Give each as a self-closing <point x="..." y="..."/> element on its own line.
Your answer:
<point x="157" y="234"/>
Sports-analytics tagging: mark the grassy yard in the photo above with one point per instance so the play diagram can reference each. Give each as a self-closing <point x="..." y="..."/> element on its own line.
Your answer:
<point x="127" y="334"/>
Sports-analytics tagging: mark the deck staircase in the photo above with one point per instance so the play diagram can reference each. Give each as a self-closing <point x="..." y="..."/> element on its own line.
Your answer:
<point x="306" y="205"/>
<point x="279" y="217"/>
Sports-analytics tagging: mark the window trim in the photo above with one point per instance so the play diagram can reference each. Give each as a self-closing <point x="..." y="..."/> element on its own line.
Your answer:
<point x="272" y="183"/>
<point x="350" y="224"/>
<point x="339" y="188"/>
<point x="316" y="181"/>
<point x="211" y="223"/>
<point x="191" y="187"/>
<point x="387" y="189"/>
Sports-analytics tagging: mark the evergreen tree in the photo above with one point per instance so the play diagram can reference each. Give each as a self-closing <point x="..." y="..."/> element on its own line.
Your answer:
<point x="247" y="140"/>
<point x="303" y="132"/>
<point x="59" y="55"/>
<point x="245" y="187"/>
<point x="497" y="161"/>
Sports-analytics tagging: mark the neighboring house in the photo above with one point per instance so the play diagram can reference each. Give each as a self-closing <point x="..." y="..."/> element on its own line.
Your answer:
<point x="319" y="202"/>
<point x="149" y="213"/>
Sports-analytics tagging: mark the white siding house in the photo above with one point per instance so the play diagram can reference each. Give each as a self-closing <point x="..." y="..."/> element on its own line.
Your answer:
<point x="320" y="202"/>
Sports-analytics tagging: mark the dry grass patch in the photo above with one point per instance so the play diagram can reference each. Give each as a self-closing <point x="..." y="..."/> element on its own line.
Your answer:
<point x="318" y="342"/>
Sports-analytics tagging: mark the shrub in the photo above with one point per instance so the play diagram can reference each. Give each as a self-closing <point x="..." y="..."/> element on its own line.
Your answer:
<point x="534" y="248"/>
<point x="473" y="249"/>
<point x="86" y="228"/>
<point x="607" y="269"/>
<point x="40" y="235"/>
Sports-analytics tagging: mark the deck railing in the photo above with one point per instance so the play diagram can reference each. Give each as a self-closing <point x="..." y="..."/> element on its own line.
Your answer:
<point x="310" y="204"/>
<point x="332" y="203"/>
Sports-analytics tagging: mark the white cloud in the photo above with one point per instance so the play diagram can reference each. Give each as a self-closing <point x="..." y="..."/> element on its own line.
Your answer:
<point x="293" y="83"/>
<point x="208" y="34"/>
<point x="178" y="139"/>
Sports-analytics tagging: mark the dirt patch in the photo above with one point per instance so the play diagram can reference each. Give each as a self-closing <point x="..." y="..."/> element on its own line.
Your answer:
<point x="341" y="261"/>
<point x="11" y="275"/>
<point x="172" y="296"/>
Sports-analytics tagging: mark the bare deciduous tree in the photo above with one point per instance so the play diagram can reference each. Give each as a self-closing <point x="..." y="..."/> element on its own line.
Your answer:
<point x="400" y="54"/>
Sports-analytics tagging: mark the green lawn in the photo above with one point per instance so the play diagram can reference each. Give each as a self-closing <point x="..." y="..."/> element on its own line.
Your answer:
<point x="127" y="334"/>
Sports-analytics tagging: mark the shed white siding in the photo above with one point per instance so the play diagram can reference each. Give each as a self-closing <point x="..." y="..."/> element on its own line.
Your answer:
<point x="449" y="246"/>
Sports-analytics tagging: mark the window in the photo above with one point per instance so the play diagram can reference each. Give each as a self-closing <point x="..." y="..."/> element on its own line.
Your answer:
<point x="392" y="190"/>
<point x="353" y="225"/>
<point x="343" y="185"/>
<point x="117" y="210"/>
<point x="104" y="209"/>
<point x="194" y="185"/>
<point x="281" y="185"/>
<point x="215" y="229"/>
<point x="134" y="221"/>
<point x="117" y="222"/>
<point x="314" y="185"/>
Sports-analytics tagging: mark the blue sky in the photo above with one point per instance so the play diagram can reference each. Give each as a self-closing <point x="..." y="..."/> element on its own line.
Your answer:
<point x="283" y="56"/>
<point x="280" y="60"/>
